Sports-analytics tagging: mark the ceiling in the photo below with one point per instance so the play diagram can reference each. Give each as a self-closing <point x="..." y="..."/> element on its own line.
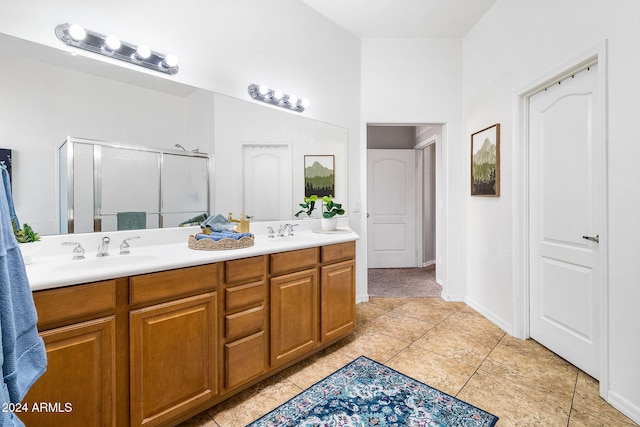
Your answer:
<point x="403" y="18"/>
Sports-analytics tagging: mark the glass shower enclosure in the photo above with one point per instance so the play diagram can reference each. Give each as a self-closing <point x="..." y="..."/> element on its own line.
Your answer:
<point x="107" y="186"/>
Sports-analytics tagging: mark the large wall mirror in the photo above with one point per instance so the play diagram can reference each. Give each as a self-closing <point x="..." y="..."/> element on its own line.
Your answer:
<point x="257" y="153"/>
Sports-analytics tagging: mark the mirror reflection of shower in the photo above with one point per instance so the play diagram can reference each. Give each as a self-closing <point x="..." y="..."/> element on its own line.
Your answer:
<point x="196" y="150"/>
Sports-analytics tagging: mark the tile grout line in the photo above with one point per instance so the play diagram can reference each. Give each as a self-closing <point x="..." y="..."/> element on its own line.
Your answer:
<point x="480" y="364"/>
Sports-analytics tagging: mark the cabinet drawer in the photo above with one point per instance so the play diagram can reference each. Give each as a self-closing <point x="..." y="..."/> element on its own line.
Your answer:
<point x="241" y="324"/>
<point x="57" y="307"/>
<point x="244" y="359"/>
<point x="286" y="262"/>
<point x="245" y="270"/>
<point x="338" y="252"/>
<point x="163" y="285"/>
<point x="244" y="296"/>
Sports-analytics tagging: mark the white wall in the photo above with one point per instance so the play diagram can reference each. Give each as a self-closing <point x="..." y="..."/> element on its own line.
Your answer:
<point x="420" y="81"/>
<point x="514" y="44"/>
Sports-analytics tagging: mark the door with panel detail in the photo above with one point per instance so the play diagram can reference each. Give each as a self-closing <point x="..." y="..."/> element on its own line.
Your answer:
<point x="391" y="189"/>
<point x="566" y="199"/>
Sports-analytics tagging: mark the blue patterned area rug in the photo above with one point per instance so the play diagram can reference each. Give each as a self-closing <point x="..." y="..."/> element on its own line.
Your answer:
<point x="366" y="393"/>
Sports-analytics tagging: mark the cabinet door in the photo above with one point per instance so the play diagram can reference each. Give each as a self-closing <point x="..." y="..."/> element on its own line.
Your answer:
<point x="78" y="388"/>
<point x="338" y="300"/>
<point x="294" y="315"/>
<point x="173" y="358"/>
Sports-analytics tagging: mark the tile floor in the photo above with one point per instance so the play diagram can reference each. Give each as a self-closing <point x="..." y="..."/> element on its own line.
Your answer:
<point x="450" y="347"/>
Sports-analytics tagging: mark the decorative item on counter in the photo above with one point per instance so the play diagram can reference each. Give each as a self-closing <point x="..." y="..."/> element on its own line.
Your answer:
<point x="218" y="234"/>
<point x="26" y="235"/>
<point x="308" y="206"/>
<point x="243" y="223"/>
<point x="330" y="209"/>
<point x="218" y="222"/>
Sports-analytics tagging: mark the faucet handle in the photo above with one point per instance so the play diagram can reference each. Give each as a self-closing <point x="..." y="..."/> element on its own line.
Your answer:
<point x="291" y="229"/>
<point x="78" y="250"/>
<point x="124" y="246"/>
<point x="271" y="232"/>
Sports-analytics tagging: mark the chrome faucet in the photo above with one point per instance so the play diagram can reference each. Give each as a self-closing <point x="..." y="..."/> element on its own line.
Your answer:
<point x="124" y="246"/>
<point x="284" y="228"/>
<point x="78" y="250"/>
<point x="103" y="248"/>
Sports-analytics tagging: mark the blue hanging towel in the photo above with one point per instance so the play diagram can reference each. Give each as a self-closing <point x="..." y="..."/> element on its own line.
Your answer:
<point x="7" y="191"/>
<point x="23" y="357"/>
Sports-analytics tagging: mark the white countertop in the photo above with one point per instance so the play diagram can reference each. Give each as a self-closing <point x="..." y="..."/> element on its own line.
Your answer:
<point x="51" y="264"/>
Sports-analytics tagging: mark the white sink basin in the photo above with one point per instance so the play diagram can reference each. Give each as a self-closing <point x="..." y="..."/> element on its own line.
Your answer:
<point x="111" y="261"/>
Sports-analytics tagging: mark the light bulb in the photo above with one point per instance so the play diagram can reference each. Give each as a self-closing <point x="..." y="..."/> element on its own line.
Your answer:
<point x="76" y="32"/>
<point x="277" y="95"/>
<point x="263" y="90"/>
<point x="293" y="100"/>
<point x="143" y="52"/>
<point x="170" y="61"/>
<point x="112" y="43"/>
<point x="305" y="103"/>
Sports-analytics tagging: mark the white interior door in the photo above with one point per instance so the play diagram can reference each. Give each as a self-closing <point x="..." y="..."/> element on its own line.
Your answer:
<point x="267" y="182"/>
<point x="566" y="196"/>
<point x="391" y="185"/>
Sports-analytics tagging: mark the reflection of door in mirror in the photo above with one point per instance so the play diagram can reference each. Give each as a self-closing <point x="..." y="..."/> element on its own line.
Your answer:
<point x="267" y="182"/>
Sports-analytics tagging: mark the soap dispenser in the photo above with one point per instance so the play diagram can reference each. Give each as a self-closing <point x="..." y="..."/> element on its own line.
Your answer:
<point x="244" y="224"/>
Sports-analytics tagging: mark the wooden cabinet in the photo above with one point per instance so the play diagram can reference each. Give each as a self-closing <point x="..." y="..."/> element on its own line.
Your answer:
<point x="337" y="290"/>
<point x="173" y="358"/>
<point x="155" y="349"/>
<point x="245" y="321"/>
<point x="78" y="388"/>
<point x="172" y="344"/>
<point x="294" y="315"/>
<point x="337" y="299"/>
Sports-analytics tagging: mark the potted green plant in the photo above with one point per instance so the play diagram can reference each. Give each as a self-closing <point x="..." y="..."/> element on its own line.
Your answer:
<point x="308" y="206"/>
<point x="27" y="238"/>
<point x="330" y="209"/>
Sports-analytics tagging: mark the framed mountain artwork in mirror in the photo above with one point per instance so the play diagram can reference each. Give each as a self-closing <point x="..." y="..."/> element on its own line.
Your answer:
<point x="485" y="162"/>
<point x="319" y="175"/>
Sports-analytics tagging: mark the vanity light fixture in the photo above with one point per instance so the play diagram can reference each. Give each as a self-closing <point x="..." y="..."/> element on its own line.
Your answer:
<point x="276" y="97"/>
<point x="110" y="45"/>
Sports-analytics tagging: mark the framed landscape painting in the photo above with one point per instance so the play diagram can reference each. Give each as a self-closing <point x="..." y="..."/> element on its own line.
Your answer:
<point x="319" y="175"/>
<point x="485" y="162"/>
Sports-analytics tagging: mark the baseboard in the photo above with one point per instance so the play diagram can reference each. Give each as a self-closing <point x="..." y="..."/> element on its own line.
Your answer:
<point x="508" y="328"/>
<point x="429" y="263"/>
<point x="362" y="298"/>
<point x="623" y="405"/>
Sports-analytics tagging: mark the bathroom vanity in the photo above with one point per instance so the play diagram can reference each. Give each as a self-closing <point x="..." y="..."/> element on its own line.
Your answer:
<point x="143" y="347"/>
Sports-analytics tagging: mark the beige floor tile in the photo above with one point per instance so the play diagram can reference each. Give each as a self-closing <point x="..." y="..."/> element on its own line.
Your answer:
<point x="432" y="312"/>
<point x="528" y="363"/>
<point x="432" y="369"/>
<point x="310" y="371"/>
<point x="457" y="345"/>
<point x="472" y="323"/>
<point x="582" y="417"/>
<point x="365" y="312"/>
<point x="589" y="407"/>
<point x="515" y="404"/>
<point x="376" y="346"/>
<point x="388" y="304"/>
<point x="251" y="404"/>
<point x="399" y="326"/>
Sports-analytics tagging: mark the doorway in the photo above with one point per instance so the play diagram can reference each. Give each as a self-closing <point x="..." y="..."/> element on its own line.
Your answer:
<point x="401" y="194"/>
<point x="560" y="293"/>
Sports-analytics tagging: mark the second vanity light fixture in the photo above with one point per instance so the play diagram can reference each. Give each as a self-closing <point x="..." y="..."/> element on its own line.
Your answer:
<point x="110" y="45"/>
<point x="276" y="97"/>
